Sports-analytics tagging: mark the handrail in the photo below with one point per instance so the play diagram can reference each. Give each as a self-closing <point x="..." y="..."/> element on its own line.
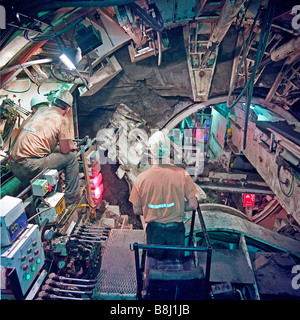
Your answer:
<point x="208" y="248"/>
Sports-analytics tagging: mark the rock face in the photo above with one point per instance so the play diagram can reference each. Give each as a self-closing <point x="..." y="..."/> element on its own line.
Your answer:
<point x="150" y="90"/>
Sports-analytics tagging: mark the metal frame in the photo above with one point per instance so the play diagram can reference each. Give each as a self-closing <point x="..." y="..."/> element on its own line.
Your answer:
<point x="208" y="248"/>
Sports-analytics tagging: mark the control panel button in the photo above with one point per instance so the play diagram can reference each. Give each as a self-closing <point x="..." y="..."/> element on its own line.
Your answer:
<point x="25" y="267"/>
<point x="27" y="276"/>
<point x="36" y="252"/>
<point x="30" y="259"/>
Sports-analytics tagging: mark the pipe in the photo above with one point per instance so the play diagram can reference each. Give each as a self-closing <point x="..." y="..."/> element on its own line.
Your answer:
<point x="53" y="283"/>
<point x="37" y="6"/>
<point x="50" y="289"/>
<point x="11" y="187"/>
<point x="24" y="65"/>
<point x="56" y="277"/>
<point x="23" y="58"/>
<point x="237" y="189"/>
<point x="286" y="49"/>
<point x="91" y="227"/>
<point x="44" y="295"/>
<point x="228" y="13"/>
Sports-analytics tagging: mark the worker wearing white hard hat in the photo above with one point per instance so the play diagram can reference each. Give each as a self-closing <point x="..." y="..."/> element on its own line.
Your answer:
<point x="36" y="147"/>
<point x="159" y="195"/>
<point x="63" y="99"/>
<point x="159" y="145"/>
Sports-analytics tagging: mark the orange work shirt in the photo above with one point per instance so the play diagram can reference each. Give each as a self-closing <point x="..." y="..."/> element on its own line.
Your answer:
<point x="40" y="135"/>
<point x="161" y="193"/>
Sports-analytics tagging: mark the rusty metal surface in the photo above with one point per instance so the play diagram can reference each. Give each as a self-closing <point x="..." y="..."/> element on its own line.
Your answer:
<point x="218" y="221"/>
<point x="228" y="266"/>
<point x="117" y="276"/>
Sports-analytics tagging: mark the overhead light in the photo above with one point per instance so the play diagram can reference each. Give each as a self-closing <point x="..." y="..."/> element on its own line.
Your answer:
<point x="71" y="58"/>
<point x="66" y="60"/>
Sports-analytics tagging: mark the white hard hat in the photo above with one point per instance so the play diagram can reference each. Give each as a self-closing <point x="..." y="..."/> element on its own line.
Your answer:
<point x="65" y="96"/>
<point x="38" y="99"/>
<point x="159" y="145"/>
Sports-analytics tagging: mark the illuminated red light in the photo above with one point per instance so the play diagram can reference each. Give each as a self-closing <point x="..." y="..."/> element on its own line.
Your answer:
<point x="198" y="134"/>
<point x="96" y="181"/>
<point x="97" y="192"/>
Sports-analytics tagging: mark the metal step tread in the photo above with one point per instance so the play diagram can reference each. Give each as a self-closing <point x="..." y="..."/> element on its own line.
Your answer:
<point x="117" y="276"/>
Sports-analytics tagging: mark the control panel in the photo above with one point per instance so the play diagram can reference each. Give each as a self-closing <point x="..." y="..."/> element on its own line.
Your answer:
<point x="55" y="206"/>
<point x="26" y="255"/>
<point x="13" y="219"/>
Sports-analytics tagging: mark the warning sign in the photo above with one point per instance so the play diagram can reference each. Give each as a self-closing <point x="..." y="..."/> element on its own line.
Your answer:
<point x="249" y="200"/>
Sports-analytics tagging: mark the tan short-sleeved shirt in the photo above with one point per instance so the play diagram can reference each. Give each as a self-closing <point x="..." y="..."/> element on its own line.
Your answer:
<point x="161" y="191"/>
<point x="41" y="134"/>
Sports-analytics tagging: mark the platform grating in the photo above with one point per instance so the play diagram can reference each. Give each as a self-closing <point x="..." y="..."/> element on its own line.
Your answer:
<point x="117" y="276"/>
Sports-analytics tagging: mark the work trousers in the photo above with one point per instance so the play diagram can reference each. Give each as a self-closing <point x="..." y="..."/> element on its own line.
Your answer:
<point x="28" y="168"/>
<point x="165" y="234"/>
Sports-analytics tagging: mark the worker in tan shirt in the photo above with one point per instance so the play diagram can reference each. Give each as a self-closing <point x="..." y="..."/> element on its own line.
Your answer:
<point x="162" y="194"/>
<point x="37" y="102"/>
<point x="45" y="133"/>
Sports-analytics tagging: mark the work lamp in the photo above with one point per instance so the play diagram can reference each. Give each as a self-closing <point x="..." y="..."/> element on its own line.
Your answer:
<point x="71" y="57"/>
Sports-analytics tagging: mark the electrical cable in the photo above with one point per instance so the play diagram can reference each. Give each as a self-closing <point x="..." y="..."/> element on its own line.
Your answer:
<point x="53" y="35"/>
<point x="249" y="40"/>
<point x="263" y="41"/>
<point x="23" y="91"/>
<point x="155" y="24"/>
<point x="59" y="79"/>
<point x="37" y="214"/>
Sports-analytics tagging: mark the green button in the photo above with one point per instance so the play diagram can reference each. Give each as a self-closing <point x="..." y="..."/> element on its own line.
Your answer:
<point x="38" y="261"/>
<point x="23" y="258"/>
<point x="28" y="250"/>
<point x="27" y="276"/>
<point x="33" y="269"/>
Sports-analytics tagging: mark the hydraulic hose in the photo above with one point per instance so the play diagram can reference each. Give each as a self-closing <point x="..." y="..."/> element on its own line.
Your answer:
<point x="263" y="41"/>
<point x="155" y="24"/>
<point x="229" y="106"/>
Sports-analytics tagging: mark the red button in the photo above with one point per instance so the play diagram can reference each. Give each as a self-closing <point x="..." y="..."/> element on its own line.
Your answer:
<point x="31" y="259"/>
<point x="25" y="267"/>
<point x="36" y="252"/>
